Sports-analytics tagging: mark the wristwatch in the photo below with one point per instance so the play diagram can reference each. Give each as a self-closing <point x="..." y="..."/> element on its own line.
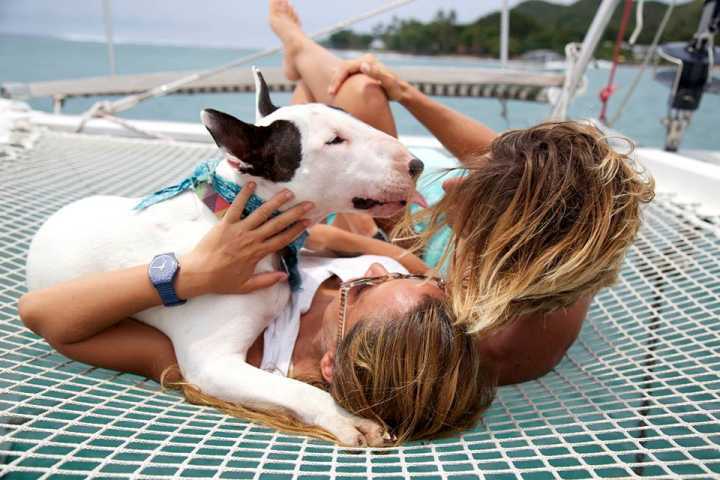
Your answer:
<point x="162" y="272"/>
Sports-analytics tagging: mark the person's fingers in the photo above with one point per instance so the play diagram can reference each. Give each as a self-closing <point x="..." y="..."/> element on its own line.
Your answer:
<point x="377" y="72"/>
<point x="348" y="68"/>
<point x="341" y="74"/>
<point x="262" y="280"/>
<point x="237" y="207"/>
<point x="282" y="240"/>
<point x="279" y="223"/>
<point x="260" y="216"/>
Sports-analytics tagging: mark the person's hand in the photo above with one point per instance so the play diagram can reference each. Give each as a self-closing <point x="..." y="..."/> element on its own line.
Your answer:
<point x="326" y="237"/>
<point x="224" y="260"/>
<point x="372" y="67"/>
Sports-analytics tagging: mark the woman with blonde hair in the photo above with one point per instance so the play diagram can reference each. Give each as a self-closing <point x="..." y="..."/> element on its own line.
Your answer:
<point x="380" y="339"/>
<point x="539" y="222"/>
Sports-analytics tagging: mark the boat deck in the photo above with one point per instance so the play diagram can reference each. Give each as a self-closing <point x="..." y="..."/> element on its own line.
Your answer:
<point x="637" y="395"/>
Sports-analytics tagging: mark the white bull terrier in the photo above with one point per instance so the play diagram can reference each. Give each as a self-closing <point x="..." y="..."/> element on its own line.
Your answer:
<point x="322" y="155"/>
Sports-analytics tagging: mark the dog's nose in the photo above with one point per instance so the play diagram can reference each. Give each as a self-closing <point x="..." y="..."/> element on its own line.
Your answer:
<point x="416" y="167"/>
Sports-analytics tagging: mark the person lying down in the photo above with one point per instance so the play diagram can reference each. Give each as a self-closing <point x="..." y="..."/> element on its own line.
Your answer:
<point x="389" y="348"/>
<point x="372" y="329"/>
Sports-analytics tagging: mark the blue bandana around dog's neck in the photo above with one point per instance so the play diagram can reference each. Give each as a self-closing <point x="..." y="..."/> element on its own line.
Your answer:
<point x="208" y="185"/>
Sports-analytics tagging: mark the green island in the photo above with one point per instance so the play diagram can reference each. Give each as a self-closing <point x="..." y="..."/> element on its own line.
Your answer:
<point x="535" y="26"/>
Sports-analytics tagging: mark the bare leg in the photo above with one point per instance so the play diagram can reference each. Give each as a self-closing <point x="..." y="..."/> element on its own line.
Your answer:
<point x="313" y="66"/>
<point x="360" y="95"/>
<point x="301" y="94"/>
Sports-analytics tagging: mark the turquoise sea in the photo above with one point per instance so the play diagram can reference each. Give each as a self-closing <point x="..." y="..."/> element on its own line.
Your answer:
<point x="27" y="59"/>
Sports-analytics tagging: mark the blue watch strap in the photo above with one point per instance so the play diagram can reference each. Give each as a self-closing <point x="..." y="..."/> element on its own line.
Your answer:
<point x="168" y="295"/>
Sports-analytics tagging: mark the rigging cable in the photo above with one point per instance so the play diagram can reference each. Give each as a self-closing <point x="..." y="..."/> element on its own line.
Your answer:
<point x="646" y="61"/>
<point x="105" y="108"/>
<point x="609" y="89"/>
<point x="638" y="23"/>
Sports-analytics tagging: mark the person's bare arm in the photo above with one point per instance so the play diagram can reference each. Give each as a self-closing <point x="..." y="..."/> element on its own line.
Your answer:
<point x="127" y="346"/>
<point x="332" y="238"/>
<point x="74" y="311"/>
<point x="460" y="134"/>
<point x="87" y="319"/>
<point x="532" y="345"/>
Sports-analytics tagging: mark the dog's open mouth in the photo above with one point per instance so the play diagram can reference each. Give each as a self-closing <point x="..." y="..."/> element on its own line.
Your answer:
<point x="365" y="203"/>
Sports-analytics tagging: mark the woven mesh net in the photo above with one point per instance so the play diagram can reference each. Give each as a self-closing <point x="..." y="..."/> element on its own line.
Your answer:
<point x="637" y="395"/>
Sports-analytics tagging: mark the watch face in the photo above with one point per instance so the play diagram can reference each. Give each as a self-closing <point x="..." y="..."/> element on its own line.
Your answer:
<point x="162" y="268"/>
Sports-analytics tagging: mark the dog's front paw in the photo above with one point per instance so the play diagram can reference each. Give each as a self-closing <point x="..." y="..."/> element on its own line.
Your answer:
<point x="351" y="430"/>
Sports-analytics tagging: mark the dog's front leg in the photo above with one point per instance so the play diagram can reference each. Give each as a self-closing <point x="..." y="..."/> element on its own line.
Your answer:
<point x="230" y="378"/>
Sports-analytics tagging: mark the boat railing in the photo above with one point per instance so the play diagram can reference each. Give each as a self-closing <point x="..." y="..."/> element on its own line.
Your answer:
<point x="510" y="84"/>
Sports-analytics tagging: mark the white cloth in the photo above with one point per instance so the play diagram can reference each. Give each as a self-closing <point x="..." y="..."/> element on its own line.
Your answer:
<point x="280" y="336"/>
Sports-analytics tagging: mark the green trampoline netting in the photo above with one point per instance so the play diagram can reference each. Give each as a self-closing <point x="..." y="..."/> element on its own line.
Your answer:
<point x="637" y="395"/>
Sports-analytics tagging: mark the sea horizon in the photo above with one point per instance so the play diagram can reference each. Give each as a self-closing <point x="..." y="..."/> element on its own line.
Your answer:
<point x="32" y="58"/>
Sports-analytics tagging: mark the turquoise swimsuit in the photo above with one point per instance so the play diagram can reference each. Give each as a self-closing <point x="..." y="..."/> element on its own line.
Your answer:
<point x="430" y="185"/>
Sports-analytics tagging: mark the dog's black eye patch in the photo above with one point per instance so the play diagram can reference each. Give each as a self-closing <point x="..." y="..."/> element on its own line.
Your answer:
<point x="276" y="155"/>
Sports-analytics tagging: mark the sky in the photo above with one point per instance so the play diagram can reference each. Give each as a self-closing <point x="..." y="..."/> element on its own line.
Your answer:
<point x="235" y="23"/>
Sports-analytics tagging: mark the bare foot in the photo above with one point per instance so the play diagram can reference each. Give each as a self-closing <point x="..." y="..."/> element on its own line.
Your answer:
<point x="285" y="22"/>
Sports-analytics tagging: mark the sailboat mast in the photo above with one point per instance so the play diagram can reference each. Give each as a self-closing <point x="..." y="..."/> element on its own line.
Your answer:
<point x="504" y="32"/>
<point x="590" y="43"/>
<point x="107" y="15"/>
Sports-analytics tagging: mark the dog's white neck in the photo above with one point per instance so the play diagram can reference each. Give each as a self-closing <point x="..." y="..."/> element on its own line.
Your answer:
<point x="265" y="189"/>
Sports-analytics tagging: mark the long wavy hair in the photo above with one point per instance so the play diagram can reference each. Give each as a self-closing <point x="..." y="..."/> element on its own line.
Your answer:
<point x="417" y="373"/>
<point x="420" y="375"/>
<point x="543" y="218"/>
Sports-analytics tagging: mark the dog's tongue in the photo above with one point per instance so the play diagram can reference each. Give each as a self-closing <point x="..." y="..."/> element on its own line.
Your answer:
<point x="418" y="199"/>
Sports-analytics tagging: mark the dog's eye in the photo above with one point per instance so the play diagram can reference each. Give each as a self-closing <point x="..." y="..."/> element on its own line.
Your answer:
<point x="335" y="140"/>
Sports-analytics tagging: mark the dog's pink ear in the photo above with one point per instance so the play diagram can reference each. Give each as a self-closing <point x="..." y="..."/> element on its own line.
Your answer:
<point x="271" y="152"/>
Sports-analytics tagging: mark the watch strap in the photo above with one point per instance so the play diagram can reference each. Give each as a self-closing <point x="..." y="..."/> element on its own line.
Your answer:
<point x="168" y="295"/>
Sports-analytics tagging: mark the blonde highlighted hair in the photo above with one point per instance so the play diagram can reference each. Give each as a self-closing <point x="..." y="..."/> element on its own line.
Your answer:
<point x="418" y="374"/>
<point x="276" y="418"/>
<point x="542" y="219"/>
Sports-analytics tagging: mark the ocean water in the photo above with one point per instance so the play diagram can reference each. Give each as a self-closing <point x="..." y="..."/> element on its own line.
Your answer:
<point x="27" y="59"/>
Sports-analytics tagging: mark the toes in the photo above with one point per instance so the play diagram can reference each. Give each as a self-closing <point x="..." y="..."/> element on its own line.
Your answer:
<point x="294" y="15"/>
<point x="374" y="434"/>
<point x="351" y="438"/>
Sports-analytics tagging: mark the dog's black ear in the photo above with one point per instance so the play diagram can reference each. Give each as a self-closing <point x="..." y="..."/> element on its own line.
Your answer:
<point x="272" y="152"/>
<point x="263" y="104"/>
<point x="233" y="136"/>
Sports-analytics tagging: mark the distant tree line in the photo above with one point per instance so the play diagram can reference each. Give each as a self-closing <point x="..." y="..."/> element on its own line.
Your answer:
<point x="534" y="25"/>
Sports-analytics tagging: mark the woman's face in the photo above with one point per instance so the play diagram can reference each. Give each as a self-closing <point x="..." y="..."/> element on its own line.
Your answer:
<point x="376" y="301"/>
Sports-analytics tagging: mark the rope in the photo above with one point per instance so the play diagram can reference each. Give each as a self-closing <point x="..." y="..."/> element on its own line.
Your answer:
<point x="562" y="99"/>
<point x="638" y="23"/>
<point x="105" y="108"/>
<point x="609" y="89"/>
<point x="646" y="61"/>
<point x="97" y="111"/>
